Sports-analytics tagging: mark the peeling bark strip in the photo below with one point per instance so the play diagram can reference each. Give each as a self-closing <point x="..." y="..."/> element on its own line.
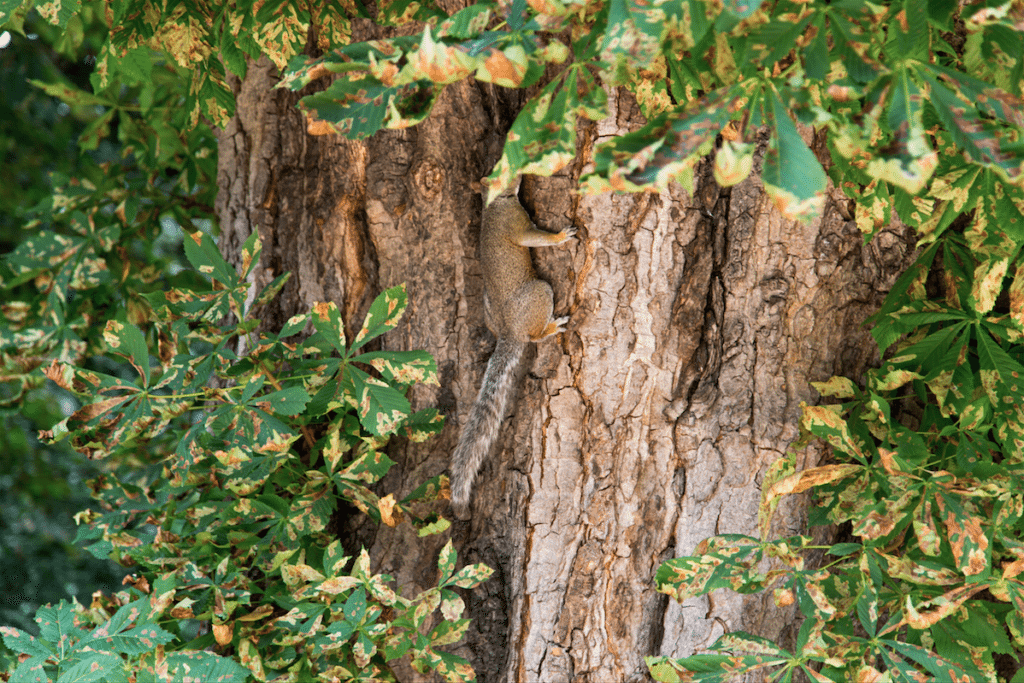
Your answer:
<point x="641" y="431"/>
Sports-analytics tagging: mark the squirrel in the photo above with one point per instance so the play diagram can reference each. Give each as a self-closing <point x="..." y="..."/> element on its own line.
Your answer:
<point x="517" y="309"/>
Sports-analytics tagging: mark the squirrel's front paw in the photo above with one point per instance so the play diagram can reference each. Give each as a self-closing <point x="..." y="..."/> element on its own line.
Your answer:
<point x="559" y="324"/>
<point x="569" y="233"/>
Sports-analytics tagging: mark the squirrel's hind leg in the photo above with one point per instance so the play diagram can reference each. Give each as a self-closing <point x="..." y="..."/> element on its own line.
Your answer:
<point x="533" y="306"/>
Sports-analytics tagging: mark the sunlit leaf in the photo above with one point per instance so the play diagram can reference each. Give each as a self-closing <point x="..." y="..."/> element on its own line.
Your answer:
<point x="792" y="175"/>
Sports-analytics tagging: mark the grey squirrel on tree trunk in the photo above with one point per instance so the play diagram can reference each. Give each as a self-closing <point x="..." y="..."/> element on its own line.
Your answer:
<point x="517" y="309"/>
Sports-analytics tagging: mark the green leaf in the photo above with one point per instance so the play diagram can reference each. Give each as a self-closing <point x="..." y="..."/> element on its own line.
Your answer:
<point x="911" y="43"/>
<point x="250" y="388"/>
<point x="204" y="666"/>
<point x="355" y="606"/>
<point x="58" y="12"/>
<point x="633" y="37"/>
<point x="335" y="559"/>
<point x="853" y="45"/>
<point x="431" y="525"/>
<point x="250" y="253"/>
<point x="466" y="23"/>
<point x="294" y="325"/>
<point x="118" y="636"/>
<point x="39" y="252"/>
<point x="7" y="8"/>
<point x="667" y="148"/>
<point x="126" y="340"/>
<point x="816" y="59"/>
<point x="327" y="321"/>
<point x="1001" y="376"/>
<point x="543" y="137"/>
<point x="232" y="52"/>
<point x="941" y="13"/>
<point x="402" y="367"/>
<point x="741" y="641"/>
<point x="270" y="292"/>
<point x="283" y="28"/>
<point x="827" y="424"/>
<point x="867" y="608"/>
<point x="844" y="549"/>
<point x="742" y="9"/>
<point x="983" y="140"/>
<point x="384" y="314"/>
<point x="792" y="176"/>
<point x="994" y="101"/>
<point x="359" y="106"/>
<point x="329" y="396"/>
<point x="71" y="95"/>
<point x="912" y="161"/>
<point x="981" y="631"/>
<point x="724" y="561"/>
<point x="57" y="624"/>
<point x="707" y="668"/>
<point x="290" y="401"/>
<point x="446" y="560"/>
<point x="942" y="669"/>
<point x="928" y="353"/>
<point x="398" y="12"/>
<point x="19" y="641"/>
<point x="969" y="535"/>
<point x="448" y="632"/>
<point x="95" y="666"/>
<point x="369" y="466"/>
<point x="423" y="424"/>
<point x="30" y="671"/>
<point x="470" y="576"/>
<point x="381" y="408"/>
<point x="778" y="38"/>
<point x="311" y="512"/>
<point x="840" y="387"/>
<point x="202" y="253"/>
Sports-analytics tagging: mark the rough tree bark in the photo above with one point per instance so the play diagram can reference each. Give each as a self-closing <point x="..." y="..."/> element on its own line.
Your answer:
<point x="696" y="325"/>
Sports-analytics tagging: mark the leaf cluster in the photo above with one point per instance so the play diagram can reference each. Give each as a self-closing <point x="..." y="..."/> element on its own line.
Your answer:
<point x="927" y="477"/>
<point x="230" y="457"/>
<point x="89" y="644"/>
<point x="138" y="181"/>
<point x="228" y="490"/>
<point x="885" y="81"/>
<point x="899" y="87"/>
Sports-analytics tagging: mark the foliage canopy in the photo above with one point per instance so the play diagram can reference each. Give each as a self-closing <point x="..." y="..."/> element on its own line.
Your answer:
<point x="225" y="515"/>
<point x="900" y="87"/>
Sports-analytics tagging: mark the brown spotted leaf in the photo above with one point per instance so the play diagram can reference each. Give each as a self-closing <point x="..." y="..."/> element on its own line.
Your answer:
<point x="928" y="613"/>
<point x="967" y="533"/>
<point x="384" y="314"/>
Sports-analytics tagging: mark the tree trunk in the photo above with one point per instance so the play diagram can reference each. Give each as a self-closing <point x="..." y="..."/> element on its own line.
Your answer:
<point x="696" y="326"/>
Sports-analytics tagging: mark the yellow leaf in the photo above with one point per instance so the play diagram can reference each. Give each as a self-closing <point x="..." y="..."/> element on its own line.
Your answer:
<point x="801" y="481"/>
<point x="505" y="68"/>
<point x="440" y="63"/>
<point x="840" y="387"/>
<point x="988" y="283"/>
<point x="389" y="514"/>
<point x="222" y="633"/>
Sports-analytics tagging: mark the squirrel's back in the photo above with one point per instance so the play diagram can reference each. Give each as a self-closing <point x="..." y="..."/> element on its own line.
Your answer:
<point x="506" y="265"/>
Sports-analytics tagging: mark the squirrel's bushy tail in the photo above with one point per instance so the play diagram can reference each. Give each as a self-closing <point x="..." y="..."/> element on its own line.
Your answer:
<point x="485" y="418"/>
